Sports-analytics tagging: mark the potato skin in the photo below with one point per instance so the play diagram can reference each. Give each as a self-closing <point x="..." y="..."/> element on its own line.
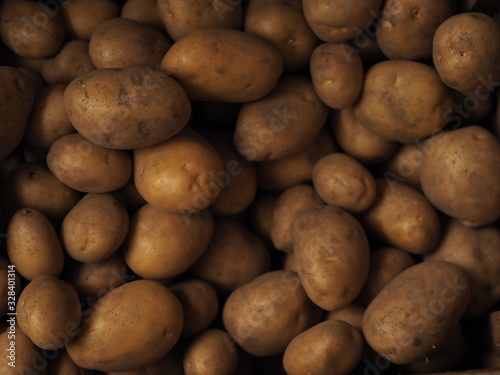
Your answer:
<point x="64" y="365"/>
<point x="143" y="11"/>
<point x="413" y="315"/>
<point x="114" y="337"/>
<point x="246" y="68"/>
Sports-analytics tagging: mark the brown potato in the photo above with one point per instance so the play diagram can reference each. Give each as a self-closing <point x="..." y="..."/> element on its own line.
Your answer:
<point x="143" y="11"/>
<point x="260" y="214"/>
<point x="122" y="42"/>
<point x="64" y="365"/>
<point x="170" y="364"/>
<point x="405" y="164"/>
<point x="246" y="69"/>
<point x="352" y="314"/>
<point x="130" y="197"/>
<point x="87" y="167"/>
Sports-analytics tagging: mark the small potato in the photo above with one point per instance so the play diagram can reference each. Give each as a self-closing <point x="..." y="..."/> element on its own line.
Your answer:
<point x="223" y="65"/>
<point x="10" y="285"/>
<point x="405" y="164"/>
<point x="264" y="315"/>
<point x="33" y="246"/>
<point x="332" y="256"/>
<point x="282" y="123"/>
<point x="352" y="314"/>
<point x="72" y="61"/>
<point x="181" y="17"/>
<point x="48" y="120"/>
<point x="261" y="214"/>
<point x="95" y="228"/>
<point x="122" y="42"/>
<point x="342" y="181"/>
<point x="331" y="347"/>
<point x="49" y="312"/>
<point x="402" y="217"/>
<point x="162" y="245"/>
<point x="143" y="11"/>
<point x="199" y="305"/>
<point x="337" y="75"/>
<point x="87" y="167"/>
<point x="211" y="353"/>
<point x="64" y="365"/>
<point x="32" y="30"/>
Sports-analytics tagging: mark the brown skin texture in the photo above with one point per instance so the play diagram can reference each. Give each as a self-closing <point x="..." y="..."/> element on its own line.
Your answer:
<point x="72" y="61"/>
<point x="33" y="245"/>
<point x="170" y="364"/>
<point x="465" y="48"/>
<point x="282" y="23"/>
<point x="337" y="75"/>
<point x="264" y="315"/>
<point x="95" y="228"/>
<point x="342" y="181"/>
<point x="4" y="287"/>
<point x="475" y="251"/>
<point x="352" y="314"/>
<point x="403" y="101"/>
<point x="30" y="30"/>
<point x="161" y="244"/>
<point x="87" y="167"/>
<point x="184" y="183"/>
<point x="122" y="42"/>
<point x="64" y="365"/>
<point x="331" y="347"/>
<point x="114" y="337"/>
<point x="405" y="164"/>
<point x="332" y="263"/>
<point x="260" y="214"/>
<point x="199" y="303"/>
<point x="290" y="204"/>
<point x="413" y="315"/>
<point x="211" y="353"/>
<point x="181" y="17"/>
<point x="234" y="257"/>
<point x="49" y="312"/>
<point x="143" y="11"/>
<point x="282" y="123"/>
<point x="125" y="108"/>
<point x="246" y="68"/>
<point x="402" y="217"/>
<point x="464" y="163"/>
<point x="407" y="29"/>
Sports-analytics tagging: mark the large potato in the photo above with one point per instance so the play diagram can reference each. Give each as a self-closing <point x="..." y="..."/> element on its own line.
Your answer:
<point x="125" y="108"/>
<point x="223" y="65"/>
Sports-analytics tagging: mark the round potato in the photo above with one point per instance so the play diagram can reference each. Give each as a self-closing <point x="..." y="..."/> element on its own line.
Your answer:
<point x="125" y="108"/>
<point x="405" y="164"/>
<point x="223" y="65"/>
<point x="143" y="11"/>
<point x="115" y="337"/>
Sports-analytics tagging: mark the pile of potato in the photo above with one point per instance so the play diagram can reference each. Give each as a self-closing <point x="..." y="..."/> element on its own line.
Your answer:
<point x="249" y="187"/>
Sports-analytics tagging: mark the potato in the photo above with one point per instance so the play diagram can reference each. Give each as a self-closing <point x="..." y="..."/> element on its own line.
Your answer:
<point x="290" y="204"/>
<point x="211" y="353"/>
<point x="81" y="17"/>
<point x="385" y="264"/>
<point x="234" y="257"/>
<point x="474" y="251"/>
<point x="260" y="214"/>
<point x="342" y="181"/>
<point x="162" y="245"/>
<point x="187" y="182"/>
<point x="94" y="228"/>
<point x="330" y="347"/>
<point x="48" y="120"/>
<point x="357" y="141"/>
<point x="10" y="286"/>
<point x="122" y="42"/>
<point x="64" y="365"/>
<point x="407" y="29"/>
<point x="199" y="303"/>
<point x="402" y="217"/>
<point x="282" y="123"/>
<point x="223" y="65"/>
<point x="49" y="312"/>
<point x="72" y="61"/>
<point x="337" y="75"/>
<point x="87" y="167"/>
<point x="403" y="101"/>
<point x="14" y="88"/>
<point x="264" y="315"/>
<point x="126" y="108"/>
<point x="282" y="23"/>
<point x="352" y="314"/>
<point x="277" y="175"/>
<point x="33" y="246"/>
<point x="115" y="337"/>
<point x="170" y="364"/>
<point x="337" y="21"/>
<point x="143" y="11"/>
<point x="130" y="197"/>
<point x="413" y="315"/>
<point x="32" y="30"/>
<point x="405" y="164"/>
<point x="181" y="17"/>
<point x="466" y="51"/>
<point x="332" y="256"/>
